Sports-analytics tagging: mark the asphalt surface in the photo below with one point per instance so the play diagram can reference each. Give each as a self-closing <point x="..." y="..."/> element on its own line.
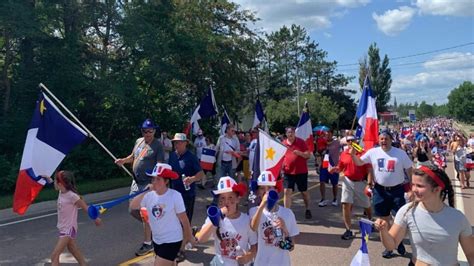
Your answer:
<point x="29" y="240"/>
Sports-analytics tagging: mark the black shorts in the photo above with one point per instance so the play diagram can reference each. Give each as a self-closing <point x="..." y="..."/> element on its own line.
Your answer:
<point x="167" y="251"/>
<point x="301" y="181"/>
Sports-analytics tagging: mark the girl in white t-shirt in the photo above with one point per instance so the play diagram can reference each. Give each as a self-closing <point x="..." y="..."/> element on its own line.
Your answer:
<point x="163" y="208"/>
<point x="234" y="241"/>
<point x="434" y="228"/>
<point x="68" y="201"/>
<point x="276" y="228"/>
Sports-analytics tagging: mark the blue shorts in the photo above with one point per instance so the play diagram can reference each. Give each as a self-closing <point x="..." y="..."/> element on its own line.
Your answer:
<point x="325" y="176"/>
<point x="387" y="200"/>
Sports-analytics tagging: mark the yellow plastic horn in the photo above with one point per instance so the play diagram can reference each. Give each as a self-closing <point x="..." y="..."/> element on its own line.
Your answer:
<point x="356" y="146"/>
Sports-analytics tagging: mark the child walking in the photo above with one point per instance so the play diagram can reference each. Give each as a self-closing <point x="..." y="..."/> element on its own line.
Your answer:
<point x="68" y="201"/>
<point x="163" y="208"/>
<point x="276" y="227"/>
<point x="234" y="241"/>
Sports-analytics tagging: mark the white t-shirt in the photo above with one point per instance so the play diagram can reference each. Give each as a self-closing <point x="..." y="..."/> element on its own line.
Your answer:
<point x="234" y="232"/>
<point x="67" y="210"/>
<point x="199" y="143"/>
<point x="226" y="144"/>
<point x="269" y="251"/>
<point x="470" y="142"/>
<point x="388" y="166"/>
<point x="162" y="214"/>
<point x="434" y="237"/>
<point x="166" y="143"/>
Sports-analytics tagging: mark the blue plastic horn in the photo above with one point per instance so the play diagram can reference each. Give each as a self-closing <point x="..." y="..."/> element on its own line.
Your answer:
<point x="214" y="215"/>
<point x="272" y="199"/>
<point x="95" y="211"/>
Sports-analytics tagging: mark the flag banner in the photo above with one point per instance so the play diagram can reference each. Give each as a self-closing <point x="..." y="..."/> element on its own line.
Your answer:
<point x="304" y="130"/>
<point x="50" y="137"/>
<point x="205" y="109"/>
<point x="362" y="256"/>
<point x="327" y="162"/>
<point x="368" y="124"/>
<point x="271" y="153"/>
<point x="208" y="158"/>
<point x="224" y="122"/>
<point x="259" y="114"/>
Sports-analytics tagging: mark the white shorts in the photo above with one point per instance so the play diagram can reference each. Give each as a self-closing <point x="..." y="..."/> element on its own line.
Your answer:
<point x="353" y="193"/>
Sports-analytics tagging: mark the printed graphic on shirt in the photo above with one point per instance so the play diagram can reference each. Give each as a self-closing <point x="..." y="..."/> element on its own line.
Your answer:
<point x="386" y="165"/>
<point x="142" y="152"/>
<point x="269" y="235"/>
<point x="229" y="243"/>
<point x="158" y="210"/>
<point x="182" y="164"/>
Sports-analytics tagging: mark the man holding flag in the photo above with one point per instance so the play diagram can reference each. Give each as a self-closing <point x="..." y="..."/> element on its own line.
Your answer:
<point x="295" y="169"/>
<point x="368" y="124"/>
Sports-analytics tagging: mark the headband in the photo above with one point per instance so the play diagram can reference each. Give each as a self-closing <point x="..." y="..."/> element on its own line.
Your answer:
<point x="435" y="177"/>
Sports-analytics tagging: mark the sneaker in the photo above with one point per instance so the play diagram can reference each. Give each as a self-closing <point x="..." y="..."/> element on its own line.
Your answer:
<point x="322" y="203"/>
<point x="347" y="235"/>
<point x="387" y="254"/>
<point x="308" y="214"/>
<point x="144" y="249"/>
<point x="401" y="249"/>
<point x="334" y="203"/>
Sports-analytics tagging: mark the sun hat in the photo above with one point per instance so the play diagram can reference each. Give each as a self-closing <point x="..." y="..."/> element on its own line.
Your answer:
<point x="179" y="137"/>
<point x="163" y="170"/>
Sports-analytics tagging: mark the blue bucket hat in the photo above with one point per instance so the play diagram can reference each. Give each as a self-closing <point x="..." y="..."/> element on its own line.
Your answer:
<point x="147" y="124"/>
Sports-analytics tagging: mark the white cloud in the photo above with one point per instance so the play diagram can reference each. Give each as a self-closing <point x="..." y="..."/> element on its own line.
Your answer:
<point x="446" y="7"/>
<point x="430" y="86"/>
<point x="327" y="35"/>
<point x="451" y="61"/>
<point x="312" y="15"/>
<point x="394" y="21"/>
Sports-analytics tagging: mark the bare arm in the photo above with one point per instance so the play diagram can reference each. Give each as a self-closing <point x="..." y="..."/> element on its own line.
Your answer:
<point x="82" y="204"/>
<point x="256" y="218"/>
<point x="467" y="244"/>
<point x="390" y="239"/>
<point x="355" y="158"/>
<point x="191" y="179"/>
<point x="304" y="154"/>
<point x="205" y="232"/>
<point x="188" y="235"/>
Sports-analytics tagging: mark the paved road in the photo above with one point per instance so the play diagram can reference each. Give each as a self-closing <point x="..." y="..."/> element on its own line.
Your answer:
<point x="319" y="243"/>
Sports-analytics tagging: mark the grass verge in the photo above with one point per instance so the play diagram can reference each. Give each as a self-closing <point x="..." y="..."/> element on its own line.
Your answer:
<point x="84" y="187"/>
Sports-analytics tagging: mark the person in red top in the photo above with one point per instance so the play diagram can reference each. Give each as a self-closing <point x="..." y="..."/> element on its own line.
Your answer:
<point x="321" y="145"/>
<point x="295" y="169"/>
<point x="353" y="187"/>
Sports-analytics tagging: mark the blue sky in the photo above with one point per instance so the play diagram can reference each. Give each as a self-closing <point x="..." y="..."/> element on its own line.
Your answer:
<point x="346" y="28"/>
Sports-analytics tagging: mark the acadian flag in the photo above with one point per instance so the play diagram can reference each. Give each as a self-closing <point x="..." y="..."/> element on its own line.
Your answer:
<point x="271" y="154"/>
<point x="304" y="130"/>
<point x="368" y="128"/>
<point x="327" y="162"/>
<point x="50" y="137"/>
<point x="206" y="108"/>
<point x="259" y="115"/>
<point x="362" y="256"/>
<point x="469" y="162"/>
<point x="224" y="122"/>
<point x="208" y="158"/>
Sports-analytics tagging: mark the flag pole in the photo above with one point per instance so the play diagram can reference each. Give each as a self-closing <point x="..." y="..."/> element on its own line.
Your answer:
<point x="83" y="126"/>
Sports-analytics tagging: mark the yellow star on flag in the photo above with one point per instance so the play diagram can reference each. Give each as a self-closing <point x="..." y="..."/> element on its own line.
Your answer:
<point x="270" y="153"/>
<point x="42" y="107"/>
<point x="366" y="237"/>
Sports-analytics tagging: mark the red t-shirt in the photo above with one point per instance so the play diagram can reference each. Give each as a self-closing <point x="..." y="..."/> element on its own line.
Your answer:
<point x="321" y="143"/>
<point x="351" y="170"/>
<point x="294" y="164"/>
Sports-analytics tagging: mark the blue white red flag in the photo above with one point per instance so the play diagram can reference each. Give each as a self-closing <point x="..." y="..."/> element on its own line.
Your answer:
<point x="224" y="122"/>
<point x="205" y="109"/>
<point x="368" y="124"/>
<point x="50" y="137"/>
<point x="304" y="130"/>
<point x="259" y="115"/>
<point x="362" y="256"/>
<point x="208" y="158"/>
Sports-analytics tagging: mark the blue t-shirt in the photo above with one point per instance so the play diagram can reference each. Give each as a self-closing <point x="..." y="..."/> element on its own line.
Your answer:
<point x="188" y="165"/>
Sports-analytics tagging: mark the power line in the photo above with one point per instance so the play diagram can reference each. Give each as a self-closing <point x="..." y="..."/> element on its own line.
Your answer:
<point x="413" y="63"/>
<point x="418" y="54"/>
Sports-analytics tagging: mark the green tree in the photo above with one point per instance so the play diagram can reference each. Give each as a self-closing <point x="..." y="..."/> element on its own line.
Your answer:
<point x="379" y="74"/>
<point x="461" y="102"/>
<point x="424" y="110"/>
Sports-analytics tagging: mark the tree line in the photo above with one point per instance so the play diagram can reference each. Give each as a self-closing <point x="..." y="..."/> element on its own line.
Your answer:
<point x="115" y="63"/>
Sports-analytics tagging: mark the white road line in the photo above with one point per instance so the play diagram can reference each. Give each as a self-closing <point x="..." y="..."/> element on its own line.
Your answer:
<point x="28" y="219"/>
<point x="460" y="206"/>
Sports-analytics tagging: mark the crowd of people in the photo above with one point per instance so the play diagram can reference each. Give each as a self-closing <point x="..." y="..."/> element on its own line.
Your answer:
<point x="401" y="182"/>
